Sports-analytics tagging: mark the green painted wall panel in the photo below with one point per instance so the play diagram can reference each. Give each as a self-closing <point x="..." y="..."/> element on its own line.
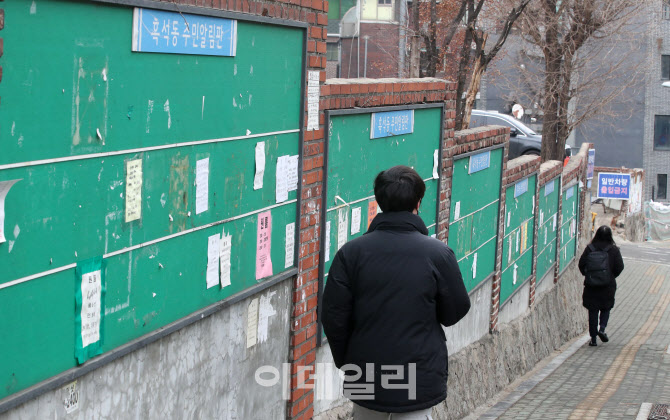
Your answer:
<point x="58" y="81"/>
<point x="517" y="256"/>
<point x="55" y="98"/>
<point x="569" y="212"/>
<point x="477" y="196"/>
<point x="548" y="228"/>
<point x="354" y="160"/>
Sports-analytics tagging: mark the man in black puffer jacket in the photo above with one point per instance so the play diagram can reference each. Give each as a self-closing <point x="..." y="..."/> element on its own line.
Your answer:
<point x="387" y="296"/>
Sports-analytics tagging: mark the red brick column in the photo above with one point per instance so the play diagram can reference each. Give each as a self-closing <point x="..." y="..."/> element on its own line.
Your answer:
<point x="517" y="169"/>
<point x="468" y="141"/>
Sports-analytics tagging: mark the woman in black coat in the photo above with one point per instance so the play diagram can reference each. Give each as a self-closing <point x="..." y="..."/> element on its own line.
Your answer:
<point x="601" y="299"/>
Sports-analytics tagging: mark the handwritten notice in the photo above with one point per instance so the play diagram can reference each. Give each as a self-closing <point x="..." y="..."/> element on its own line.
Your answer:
<point x="342" y="225"/>
<point x="4" y="189"/>
<point x="252" y="323"/>
<point x="91" y="293"/>
<point x="293" y="173"/>
<point x="290" y="245"/>
<point x="281" y="179"/>
<point x="260" y="165"/>
<point x="327" y="245"/>
<point x="225" y="252"/>
<point x="474" y="267"/>
<point x="263" y="246"/>
<point x="372" y="211"/>
<point x="213" y="249"/>
<point x="133" y="190"/>
<point x="201" y="185"/>
<point x="355" y="220"/>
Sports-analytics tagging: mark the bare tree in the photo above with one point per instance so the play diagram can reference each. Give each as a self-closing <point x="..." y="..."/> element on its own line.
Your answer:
<point x="576" y="62"/>
<point x="454" y="34"/>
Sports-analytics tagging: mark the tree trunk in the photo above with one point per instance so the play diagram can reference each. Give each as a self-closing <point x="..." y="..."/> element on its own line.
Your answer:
<point x="415" y="43"/>
<point x="475" y="84"/>
<point x="552" y="83"/>
<point x="464" y="61"/>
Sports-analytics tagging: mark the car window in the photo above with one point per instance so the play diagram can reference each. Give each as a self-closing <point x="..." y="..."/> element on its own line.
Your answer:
<point x="477" y="120"/>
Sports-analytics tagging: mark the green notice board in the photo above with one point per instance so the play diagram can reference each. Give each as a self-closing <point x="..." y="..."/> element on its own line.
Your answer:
<point x="353" y="162"/>
<point x="111" y="147"/>
<point x="517" y="255"/>
<point x="569" y="225"/>
<point x="547" y="229"/>
<point x="473" y="220"/>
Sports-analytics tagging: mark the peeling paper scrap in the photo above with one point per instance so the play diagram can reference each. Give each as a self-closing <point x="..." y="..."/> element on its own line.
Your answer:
<point x="225" y="258"/>
<point x="290" y="245"/>
<point x="202" y="185"/>
<point x="133" y="190"/>
<point x="436" y="157"/>
<point x="260" y="165"/>
<point x="4" y="189"/>
<point x="213" y="255"/>
<point x="263" y="245"/>
<point x="355" y="220"/>
<point x="265" y="311"/>
<point x="327" y="241"/>
<point x="252" y="323"/>
<point x="342" y="225"/>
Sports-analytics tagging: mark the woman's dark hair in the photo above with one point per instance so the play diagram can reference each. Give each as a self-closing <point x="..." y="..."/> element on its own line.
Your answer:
<point x="603" y="234"/>
<point x="399" y="188"/>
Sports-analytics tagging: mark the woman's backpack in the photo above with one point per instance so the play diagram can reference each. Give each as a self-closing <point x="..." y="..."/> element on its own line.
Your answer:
<point x="598" y="267"/>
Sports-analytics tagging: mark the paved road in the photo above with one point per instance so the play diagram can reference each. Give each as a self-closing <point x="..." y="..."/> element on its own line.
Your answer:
<point x="614" y="380"/>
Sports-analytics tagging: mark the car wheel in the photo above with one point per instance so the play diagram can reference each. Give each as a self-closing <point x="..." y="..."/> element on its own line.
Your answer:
<point x="531" y="153"/>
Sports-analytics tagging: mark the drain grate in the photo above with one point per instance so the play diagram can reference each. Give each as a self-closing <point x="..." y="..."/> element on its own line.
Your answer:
<point x="659" y="412"/>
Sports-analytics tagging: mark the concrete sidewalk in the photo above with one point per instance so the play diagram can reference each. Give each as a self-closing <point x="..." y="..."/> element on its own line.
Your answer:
<point x="614" y="379"/>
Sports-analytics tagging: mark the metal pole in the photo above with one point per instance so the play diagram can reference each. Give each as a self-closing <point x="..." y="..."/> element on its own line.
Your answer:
<point x="365" y="63"/>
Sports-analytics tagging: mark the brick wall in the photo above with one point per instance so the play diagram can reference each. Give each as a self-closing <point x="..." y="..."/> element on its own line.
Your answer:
<point x="463" y="142"/>
<point x="517" y="169"/>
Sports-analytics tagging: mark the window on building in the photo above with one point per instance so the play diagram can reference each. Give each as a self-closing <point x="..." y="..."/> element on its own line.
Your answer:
<point x="332" y="51"/>
<point x="666" y="9"/>
<point x="384" y="2"/>
<point x="662" y="186"/>
<point x="662" y="132"/>
<point x="665" y="67"/>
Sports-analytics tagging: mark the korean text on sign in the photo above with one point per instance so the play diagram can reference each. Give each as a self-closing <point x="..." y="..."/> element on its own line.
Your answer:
<point x="612" y="185"/>
<point x="393" y="123"/>
<point x="175" y="33"/>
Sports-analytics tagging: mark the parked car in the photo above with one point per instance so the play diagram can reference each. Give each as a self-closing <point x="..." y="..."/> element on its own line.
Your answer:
<point x="523" y="140"/>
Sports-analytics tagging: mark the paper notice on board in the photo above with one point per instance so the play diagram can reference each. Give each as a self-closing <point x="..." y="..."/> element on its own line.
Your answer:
<point x="457" y="210"/>
<point x="260" y="165"/>
<point x="327" y="241"/>
<point x="201" y="185"/>
<point x="133" y="190"/>
<point x="281" y="179"/>
<point x="509" y="250"/>
<point x="553" y="229"/>
<point x="313" y="78"/>
<point x="342" y="225"/>
<point x="313" y="96"/>
<point x="474" y="266"/>
<point x="252" y="323"/>
<point x="290" y="245"/>
<point x="372" y="211"/>
<point x="518" y="240"/>
<point x="263" y="246"/>
<point x="293" y="173"/>
<point x="91" y="304"/>
<point x="546" y="229"/>
<point x="514" y="274"/>
<point x="4" y="189"/>
<point x="355" y="220"/>
<point x="225" y="253"/>
<point x="213" y="255"/>
<point x="436" y="158"/>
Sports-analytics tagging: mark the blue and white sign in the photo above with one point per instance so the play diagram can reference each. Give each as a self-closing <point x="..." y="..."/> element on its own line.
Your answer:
<point x="569" y="193"/>
<point x="392" y="123"/>
<point x="616" y="186"/>
<point x="549" y="188"/>
<point x="479" y="162"/>
<point x="520" y="187"/>
<point x="591" y="164"/>
<point x="174" y="33"/>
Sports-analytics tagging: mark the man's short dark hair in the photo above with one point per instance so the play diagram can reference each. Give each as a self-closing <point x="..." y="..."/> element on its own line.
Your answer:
<point x="399" y="188"/>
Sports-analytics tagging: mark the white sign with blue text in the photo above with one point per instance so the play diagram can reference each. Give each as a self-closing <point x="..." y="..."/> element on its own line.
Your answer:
<point x="392" y="123"/>
<point x="181" y="33"/>
<point x="520" y="187"/>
